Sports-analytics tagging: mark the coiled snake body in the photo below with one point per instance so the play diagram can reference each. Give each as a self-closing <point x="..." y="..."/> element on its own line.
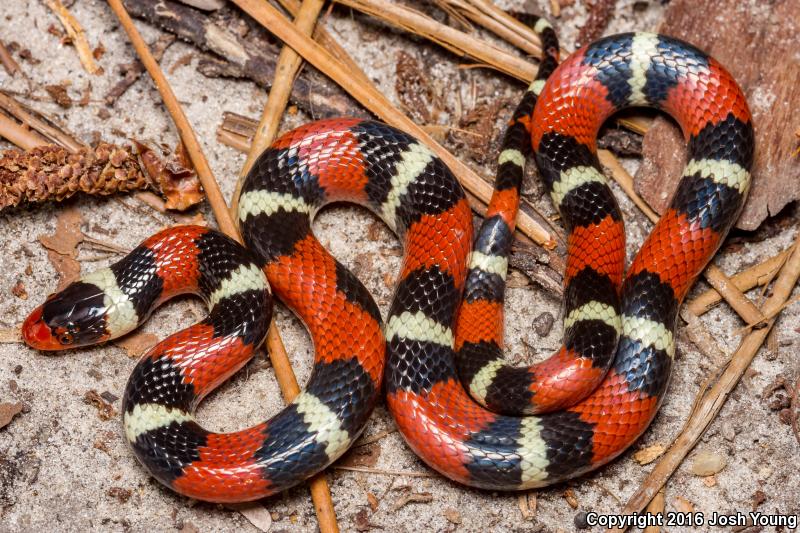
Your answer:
<point x="596" y="395"/>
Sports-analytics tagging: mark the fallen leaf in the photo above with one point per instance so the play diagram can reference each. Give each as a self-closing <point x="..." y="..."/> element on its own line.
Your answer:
<point x="68" y="235"/>
<point x="257" y="514"/>
<point x="8" y="411"/>
<point x="707" y="463"/>
<point x="136" y="344"/>
<point x="172" y="173"/>
<point x="62" y="246"/>
<point x="649" y="454"/>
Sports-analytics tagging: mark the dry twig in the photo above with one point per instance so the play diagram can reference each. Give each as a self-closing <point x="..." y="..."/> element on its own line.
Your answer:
<point x="77" y="35"/>
<point x="760" y="274"/>
<point x="735" y="298"/>
<point x="384" y="472"/>
<point x="36" y="121"/>
<point x="708" y="404"/>
<point x="11" y="66"/>
<point x="289" y="63"/>
<point x="17" y="134"/>
<point x="133" y="70"/>
<point x="243" y="49"/>
<point x="625" y="182"/>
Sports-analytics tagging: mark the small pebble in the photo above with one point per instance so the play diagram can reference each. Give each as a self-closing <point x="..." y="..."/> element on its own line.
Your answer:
<point x="18" y="370"/>
<point x="543" y="323"/>
<point x="580" y="520"/>
<point x="109" y="396"/>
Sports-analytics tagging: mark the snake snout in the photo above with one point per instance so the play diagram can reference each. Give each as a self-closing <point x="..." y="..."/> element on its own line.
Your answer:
<point x="37" y="333"/>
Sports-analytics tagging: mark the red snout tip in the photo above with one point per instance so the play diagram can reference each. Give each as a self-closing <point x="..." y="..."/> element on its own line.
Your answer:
<point x="37" y="334"/>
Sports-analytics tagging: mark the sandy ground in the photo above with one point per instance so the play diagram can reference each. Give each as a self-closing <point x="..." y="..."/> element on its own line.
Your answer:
<point x="64" y="468"/>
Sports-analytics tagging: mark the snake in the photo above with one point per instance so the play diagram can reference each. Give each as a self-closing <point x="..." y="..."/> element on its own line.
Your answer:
<point x="438" y="355"/>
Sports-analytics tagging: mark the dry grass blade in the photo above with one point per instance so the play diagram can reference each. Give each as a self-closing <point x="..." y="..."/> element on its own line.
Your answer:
<point x="373" y="99"/>
<point x="506" y="20"/>
<point x="464" y="9"/>
<point x="384" y="472"/>
<point x="454" y="40"/>
<point x="78" y="36"/>
<point x="709" y="403"/>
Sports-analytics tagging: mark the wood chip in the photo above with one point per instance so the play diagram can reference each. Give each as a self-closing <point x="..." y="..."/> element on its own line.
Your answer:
<point x="706" y="463"/>
<point x="19" y="291"/>
<point x="527" y="505"/>
<point x="59" y="95"/>
<point x="361" y="521"/>
<point x="181" y="62"/>
<point x="8" y="411"/>
<point x="105" y="410"/>
<point x="373" y="501"/>
<point x="649" y="454"/>
<point x="123" y="495"/>
<point x="683" y="505"/>
<point x="452" y="516"/>
<point x="571" y="498"/>
<point x="10" y="336"/>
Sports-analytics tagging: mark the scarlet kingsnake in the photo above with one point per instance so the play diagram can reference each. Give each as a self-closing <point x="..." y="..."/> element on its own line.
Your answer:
<point x="608" y="379"/>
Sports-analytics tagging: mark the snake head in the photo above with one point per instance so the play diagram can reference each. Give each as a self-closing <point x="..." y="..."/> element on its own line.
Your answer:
<point x="74" y="317"/>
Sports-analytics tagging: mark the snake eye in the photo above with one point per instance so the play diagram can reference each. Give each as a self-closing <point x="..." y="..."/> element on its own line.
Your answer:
<point x="66" y="338"/>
